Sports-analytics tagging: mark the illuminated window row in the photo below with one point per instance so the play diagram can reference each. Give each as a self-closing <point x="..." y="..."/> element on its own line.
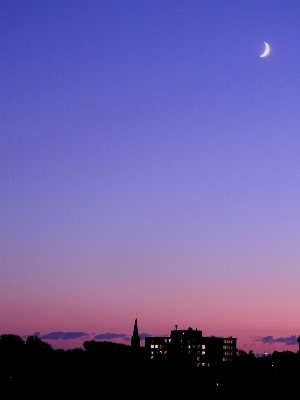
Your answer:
<point x="227" y="358"/>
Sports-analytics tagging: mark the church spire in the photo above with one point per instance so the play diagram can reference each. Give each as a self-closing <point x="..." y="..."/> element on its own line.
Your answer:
<point x="135" y="340"/>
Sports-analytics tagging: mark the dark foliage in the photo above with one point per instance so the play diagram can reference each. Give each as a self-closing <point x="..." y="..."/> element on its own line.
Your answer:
<point x="33" y="370"/>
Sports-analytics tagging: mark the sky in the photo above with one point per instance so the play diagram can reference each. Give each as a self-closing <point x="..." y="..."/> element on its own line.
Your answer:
<point x="150" y="166"/>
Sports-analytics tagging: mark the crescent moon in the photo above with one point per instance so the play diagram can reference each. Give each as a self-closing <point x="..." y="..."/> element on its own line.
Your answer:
<point x="267" y="50"/>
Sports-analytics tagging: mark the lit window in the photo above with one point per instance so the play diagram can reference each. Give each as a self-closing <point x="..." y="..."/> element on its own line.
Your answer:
<point x="152" y="346"/>
<point x="203" y="352"/>
<point x="203" y="364"/>
<point x="203" y="346"/>
<point x="156" y="346"/>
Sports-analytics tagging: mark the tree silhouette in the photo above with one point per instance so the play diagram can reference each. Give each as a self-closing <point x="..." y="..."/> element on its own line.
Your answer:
<point x="35" y="345"/>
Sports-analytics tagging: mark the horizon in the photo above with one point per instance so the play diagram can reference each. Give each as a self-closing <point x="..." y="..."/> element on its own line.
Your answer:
<point x="71" y="340"/>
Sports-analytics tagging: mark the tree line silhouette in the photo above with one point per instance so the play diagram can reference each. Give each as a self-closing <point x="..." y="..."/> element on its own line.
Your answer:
<point x="32" y="369"/>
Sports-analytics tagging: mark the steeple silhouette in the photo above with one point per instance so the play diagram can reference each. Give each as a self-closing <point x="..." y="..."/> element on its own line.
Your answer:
<point x="135" y="340"/>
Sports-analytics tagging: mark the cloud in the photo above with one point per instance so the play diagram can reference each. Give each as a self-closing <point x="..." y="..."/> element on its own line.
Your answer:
<point x="289" y="340"/>
<point x="38" y="334"/>
<point x="141" y="335"/>
<point x="109" y="336"/>
<point x="64" y="335"/>
<point x="144" y="335"/>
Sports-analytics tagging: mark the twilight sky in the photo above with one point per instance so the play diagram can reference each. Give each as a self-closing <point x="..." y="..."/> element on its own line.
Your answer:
<point x="150" y="164"/>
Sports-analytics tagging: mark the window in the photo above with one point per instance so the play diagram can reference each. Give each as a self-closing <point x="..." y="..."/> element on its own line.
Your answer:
<point x="152" y="346"/>
<point x="203" y="346"/>
<point x="203" y="352"/>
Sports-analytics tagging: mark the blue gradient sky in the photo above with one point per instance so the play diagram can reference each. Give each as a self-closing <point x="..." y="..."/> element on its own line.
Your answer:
<point x="150" y="164"/>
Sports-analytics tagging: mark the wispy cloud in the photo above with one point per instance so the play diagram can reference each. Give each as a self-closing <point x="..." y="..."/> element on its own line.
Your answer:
<point x="144" y="335"/>
<point x="141" y="335"/>
<point x="289" y="340"/>
<point x="64" y="335"/>
<point x="109" y="336"/>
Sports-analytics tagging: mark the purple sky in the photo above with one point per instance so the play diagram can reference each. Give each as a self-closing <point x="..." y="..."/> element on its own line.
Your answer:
<point x="150" y="164"/>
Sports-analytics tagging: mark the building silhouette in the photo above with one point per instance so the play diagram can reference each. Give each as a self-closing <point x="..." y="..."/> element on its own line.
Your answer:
<point x="135" y="339"/>
<point x="188" y="347"/>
